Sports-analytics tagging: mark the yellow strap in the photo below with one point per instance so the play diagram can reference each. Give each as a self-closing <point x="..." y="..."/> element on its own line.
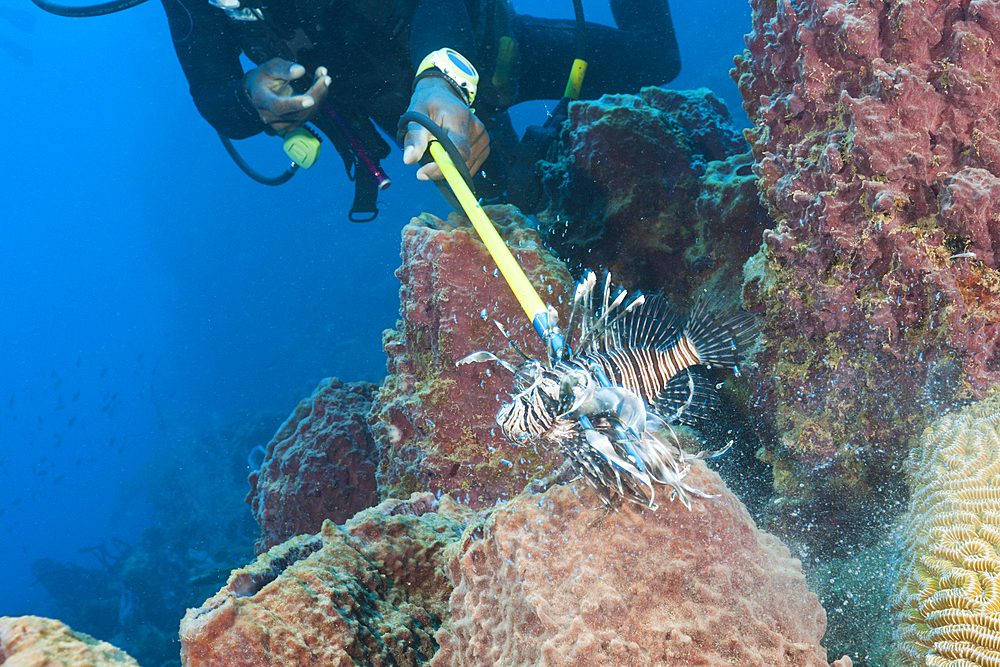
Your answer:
<point x="519" y="284"/>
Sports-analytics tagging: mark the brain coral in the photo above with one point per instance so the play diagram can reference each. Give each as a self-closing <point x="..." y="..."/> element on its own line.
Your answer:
<point x="946" y="607"/>
<point x="551" y="580"/>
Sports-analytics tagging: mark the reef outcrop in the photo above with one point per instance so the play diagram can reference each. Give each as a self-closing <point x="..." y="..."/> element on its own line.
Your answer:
<point x="33" y="641"/>
<point x="946" y="601"/>
<point x="551" y="579"/>
<point x="655" y="187"/>
<point x="369" y="593"/>
<point x="435" y="422"/>
<point x="319" y="465"/>
<point x="876" y="141"/>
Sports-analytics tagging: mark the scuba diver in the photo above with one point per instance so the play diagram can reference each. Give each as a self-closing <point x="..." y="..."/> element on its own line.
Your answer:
<point x="347" y="66"/>
<point x="373" y="60"/>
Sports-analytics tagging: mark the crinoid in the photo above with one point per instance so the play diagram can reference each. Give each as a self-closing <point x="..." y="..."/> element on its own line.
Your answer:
<point x="608" y="400"/>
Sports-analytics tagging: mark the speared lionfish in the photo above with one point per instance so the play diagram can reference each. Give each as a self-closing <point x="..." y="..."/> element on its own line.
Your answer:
<point x="607" y="401"/>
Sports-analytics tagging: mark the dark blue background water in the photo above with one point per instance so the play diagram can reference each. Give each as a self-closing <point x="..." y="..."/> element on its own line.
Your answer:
<point x="152" y="293"/>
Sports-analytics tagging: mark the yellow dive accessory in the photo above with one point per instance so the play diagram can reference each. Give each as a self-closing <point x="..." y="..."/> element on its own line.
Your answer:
<point x="575" y="79"/>
<point x="302" y="146"/>
<point x="503" y="71"/>
<point x="454" y="68"/>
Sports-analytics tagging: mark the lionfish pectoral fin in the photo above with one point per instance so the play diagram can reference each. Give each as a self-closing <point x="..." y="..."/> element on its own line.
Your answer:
<point x="483" y="355"/>
<point x="602" y="444"/>
<point x="688" y="397"/>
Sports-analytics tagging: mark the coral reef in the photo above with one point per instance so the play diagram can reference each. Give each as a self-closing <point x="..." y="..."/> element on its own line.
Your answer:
<point x="319" y="465"/>
<point x="946" y="605"/>
<point x="32" y="641"/>
<point x="368" y="593"/>
<point x="656" y="188"/>
<point x="550" y="579"/>
<point x="435" y="423"/>
<point x="875" y="140"/>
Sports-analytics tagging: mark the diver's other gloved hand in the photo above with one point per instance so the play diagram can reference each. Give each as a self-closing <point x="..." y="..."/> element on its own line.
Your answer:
<point x="435" y="98"/>
<point x="270" y="91"/>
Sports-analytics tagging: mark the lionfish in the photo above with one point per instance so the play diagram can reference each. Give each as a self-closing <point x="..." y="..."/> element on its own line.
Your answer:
<point x="608" y="401"/>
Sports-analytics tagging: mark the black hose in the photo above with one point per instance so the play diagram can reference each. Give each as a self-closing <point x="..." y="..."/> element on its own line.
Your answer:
<point x="438" y="133"/>
<point x="581" y="30"/>
<point x="87" y="10"/>
<point x="249" y="171"/>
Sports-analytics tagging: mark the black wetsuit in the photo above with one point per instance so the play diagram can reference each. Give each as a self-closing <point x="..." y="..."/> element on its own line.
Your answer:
<point x="372" y="47"/>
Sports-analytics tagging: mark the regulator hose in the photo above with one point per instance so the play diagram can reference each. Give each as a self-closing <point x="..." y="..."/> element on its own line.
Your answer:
<point x="100" y="9"/>
<point x="249" y="171"/>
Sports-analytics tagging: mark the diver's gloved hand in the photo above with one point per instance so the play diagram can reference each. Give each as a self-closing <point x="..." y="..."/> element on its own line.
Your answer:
<point x="435" y="98"/>
<point x="272" y="94"/>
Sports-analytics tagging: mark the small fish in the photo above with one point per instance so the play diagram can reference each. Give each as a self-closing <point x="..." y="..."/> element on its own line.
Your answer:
<point x="963" y="255"/>
<point x="112" y="440"/>
<point x="16" y="502"/>
<point x="75" y="396"/>
<point x="72" y="420"/>
<point x="59" y="478"/>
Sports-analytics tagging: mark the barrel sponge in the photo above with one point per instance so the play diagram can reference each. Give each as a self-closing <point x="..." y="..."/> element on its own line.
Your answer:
<point x="946" y="603"/>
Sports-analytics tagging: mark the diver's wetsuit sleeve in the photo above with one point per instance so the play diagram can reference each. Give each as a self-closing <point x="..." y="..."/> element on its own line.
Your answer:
<point x="209" y="54"/>
<point x="441" y="23"/>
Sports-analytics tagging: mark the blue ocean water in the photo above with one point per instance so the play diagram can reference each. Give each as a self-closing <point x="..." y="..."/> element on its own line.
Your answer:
<point x="160" y="310"/>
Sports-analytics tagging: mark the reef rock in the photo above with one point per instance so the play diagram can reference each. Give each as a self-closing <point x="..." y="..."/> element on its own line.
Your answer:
<point x="369" y="593"/>
<point x="433" y="421"/>
<point x="876" y="140"/>
<point x="319" y="465"/>
<point x="947" y="596"/>
<point x="550" y="579"/>
<point x="32" y="641"/>
<point x="655" y="187"/>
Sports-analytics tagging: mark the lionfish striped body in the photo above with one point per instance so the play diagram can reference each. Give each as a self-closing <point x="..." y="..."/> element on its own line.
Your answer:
<point x="633" y="371"/>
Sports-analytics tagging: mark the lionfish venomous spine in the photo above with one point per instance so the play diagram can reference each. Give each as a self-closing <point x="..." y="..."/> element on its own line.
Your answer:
<point x="608" y="401"/>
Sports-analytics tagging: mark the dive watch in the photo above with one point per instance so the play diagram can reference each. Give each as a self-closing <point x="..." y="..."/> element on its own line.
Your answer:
<point x="454" y="68"/>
